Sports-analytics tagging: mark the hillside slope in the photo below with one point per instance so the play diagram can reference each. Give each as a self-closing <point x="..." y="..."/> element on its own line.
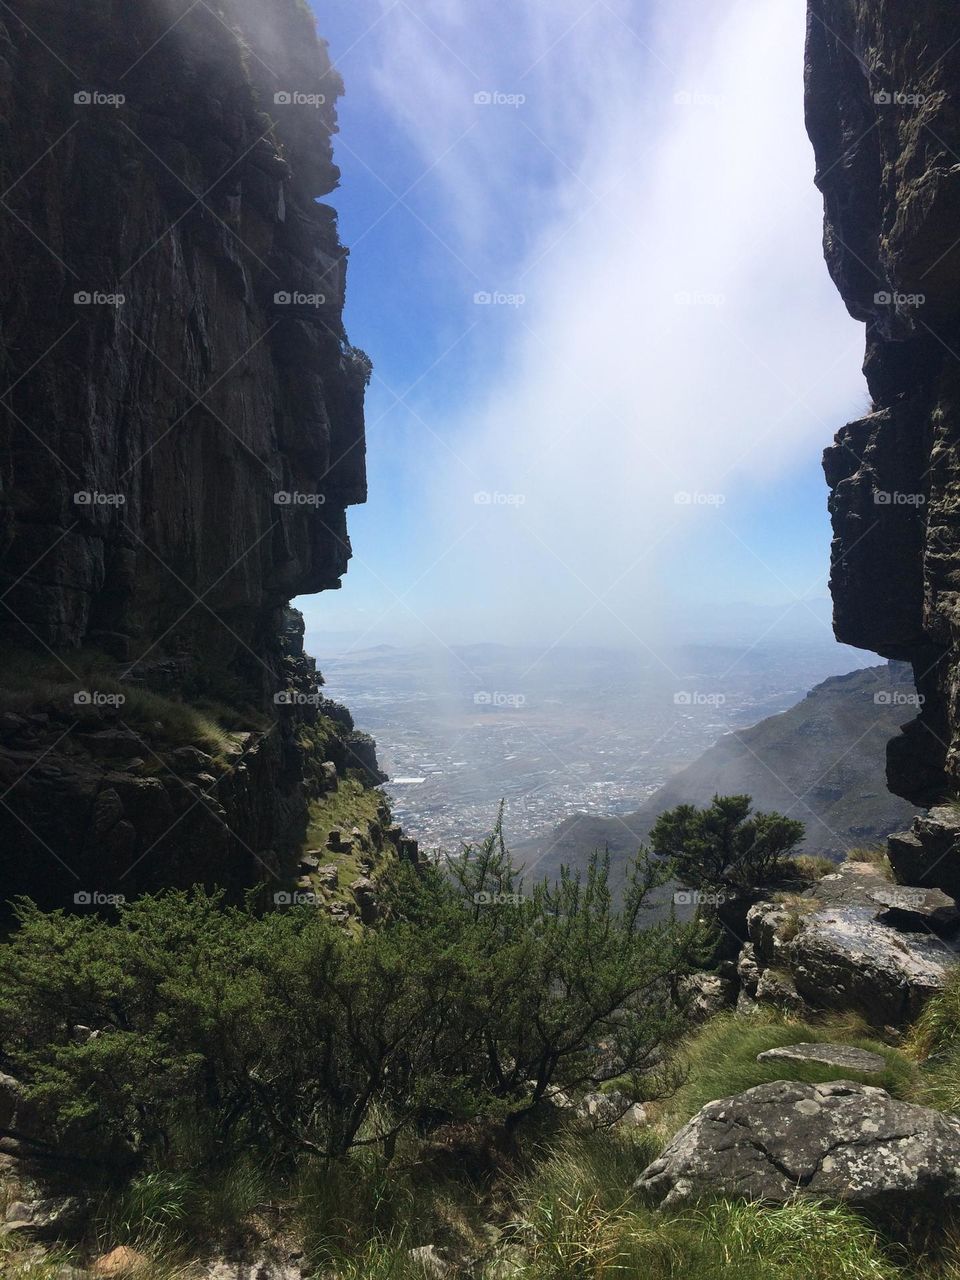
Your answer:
<point x="821" y="762"/>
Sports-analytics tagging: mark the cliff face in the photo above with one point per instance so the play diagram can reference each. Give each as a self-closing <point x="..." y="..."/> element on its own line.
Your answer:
<point x="181" y="421"/>
<point x="882" y="81"/>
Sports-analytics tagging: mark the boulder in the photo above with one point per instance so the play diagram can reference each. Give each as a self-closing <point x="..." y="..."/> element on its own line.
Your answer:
<point x="255" y="1266"/>
<point x="328" y="876"/>
<point x="708" y="994"/>
<point x="845" y="1057"/>
<point x="434" y="1262"/>
<point x="602" y="1110"/>
<point x="839" y="1141"/>
<point x="775" y="986"/>
<point x="927" y="854"/>
<point x="61" y="1217"/>
<point x="855" y="942"/>
<point x="364" y="891"/>
<point x="122" y="1263"/>
<point x="9" y="1100"/>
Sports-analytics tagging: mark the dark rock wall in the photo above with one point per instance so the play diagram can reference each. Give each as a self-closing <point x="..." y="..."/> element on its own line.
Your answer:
<point x="883" y="112"/>
<point x="181" y="426"/>
<point x="204" y="394"/>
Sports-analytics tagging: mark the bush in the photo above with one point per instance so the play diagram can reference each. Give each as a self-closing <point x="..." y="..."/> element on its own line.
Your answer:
<point x="725" y="847"/>
<point x="186" y="1032"/>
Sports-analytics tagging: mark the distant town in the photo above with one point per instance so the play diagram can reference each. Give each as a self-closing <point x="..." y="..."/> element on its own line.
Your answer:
<point x="573" y="731"/>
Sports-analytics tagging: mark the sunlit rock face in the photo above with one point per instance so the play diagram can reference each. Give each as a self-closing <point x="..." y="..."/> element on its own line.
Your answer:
<point x="882" y="85"/>
<point x="181" y="432"/>
<point x="172" y="345"/>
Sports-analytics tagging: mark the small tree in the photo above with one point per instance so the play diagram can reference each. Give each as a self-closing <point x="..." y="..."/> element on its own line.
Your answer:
<point x="567" y="989"/>
<point x="725" y="847"/>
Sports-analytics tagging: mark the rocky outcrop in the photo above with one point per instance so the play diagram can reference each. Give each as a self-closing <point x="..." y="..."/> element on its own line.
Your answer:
<point x="853" y="942"/>
<point x="181" y="432"/>
<point x="838" y="1141"/>
<point x="881" y="84"/>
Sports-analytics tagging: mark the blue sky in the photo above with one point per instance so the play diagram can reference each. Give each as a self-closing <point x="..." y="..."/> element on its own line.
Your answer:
<point x="629" y="431"/>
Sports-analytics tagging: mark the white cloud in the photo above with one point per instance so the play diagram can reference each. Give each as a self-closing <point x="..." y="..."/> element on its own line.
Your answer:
<point x="653" y="201"/>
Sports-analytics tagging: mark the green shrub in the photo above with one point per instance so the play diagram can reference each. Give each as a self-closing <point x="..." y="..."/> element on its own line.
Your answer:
<point x="218" y="1031"/>
<point x="725" y="847"/>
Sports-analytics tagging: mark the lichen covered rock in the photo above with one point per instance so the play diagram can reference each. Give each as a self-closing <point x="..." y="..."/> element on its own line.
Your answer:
<point x="838" y="1141"/>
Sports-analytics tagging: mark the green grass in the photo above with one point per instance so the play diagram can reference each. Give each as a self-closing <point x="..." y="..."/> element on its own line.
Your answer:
<point x="576" y="1217"/>
<point x="351" y="805"/>
<point x="34" y="682"/>
<point x="935" y="1041"/>
<point x="560" y="1208"/>
<point x="721" y="1061"/>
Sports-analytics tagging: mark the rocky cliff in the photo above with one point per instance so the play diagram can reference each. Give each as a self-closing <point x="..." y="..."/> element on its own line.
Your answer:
<point x="881" y="103"/>
<point x="181" y="432"/>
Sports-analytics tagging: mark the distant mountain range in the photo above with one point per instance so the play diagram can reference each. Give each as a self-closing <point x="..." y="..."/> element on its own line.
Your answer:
<point x="822" y="762"/>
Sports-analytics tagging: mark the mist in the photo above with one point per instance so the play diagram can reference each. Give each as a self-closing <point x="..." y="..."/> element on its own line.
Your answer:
<point x="652" y="356"/>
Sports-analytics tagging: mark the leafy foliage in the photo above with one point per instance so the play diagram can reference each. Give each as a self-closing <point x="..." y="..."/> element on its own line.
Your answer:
<point x="725" y="846"/>
<point x="187" y="1031"/>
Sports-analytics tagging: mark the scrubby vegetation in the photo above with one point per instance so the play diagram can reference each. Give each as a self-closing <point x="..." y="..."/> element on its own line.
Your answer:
<point x="726" y="847"/>
<point x="283" y="1035"/>
<point x="935" y="1039"/>
<point x="203" y="1070"/>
